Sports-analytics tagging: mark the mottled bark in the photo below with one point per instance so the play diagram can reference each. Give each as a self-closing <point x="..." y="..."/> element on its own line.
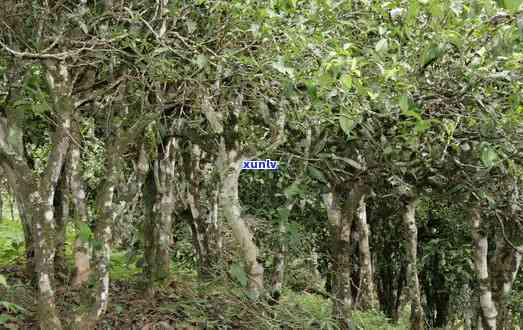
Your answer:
<point x="82" y="257"/>
<point x="149" y="196"/>
<point x="201" y="226"/>
<point x="165" y="176"/>
<point x="103" y="236"/>
<point x="61" y="210"/>
<point x="340" y="213"/>
<point x="505" y="267"/>
<point x="411" y="242"/>
<point x="159" y="199"/>
<point x="278" y="273"/>
<point x="215" y="233"/>
<point x="488" y="311"/>
<point x="367" y="294"/>
<point x="230" y="204"/>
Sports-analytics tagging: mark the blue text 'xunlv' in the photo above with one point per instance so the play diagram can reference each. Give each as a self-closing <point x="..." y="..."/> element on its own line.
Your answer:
<point x="260" y="165"/>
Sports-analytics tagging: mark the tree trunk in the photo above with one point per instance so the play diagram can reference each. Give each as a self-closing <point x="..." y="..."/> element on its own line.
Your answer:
<point x="278" y="273"/>
<point x="103" y="236"/>
<point x="200" y="236"/>
<point x="82" y="257"/>
<point x="149" y="196"/>
<point x="165" y="176"/>
<point x="411" y="239"/>
<point x="505" y="268"/>
<point x="488" y="311"/>
<point x="341" y="214"/>
<point x="230" y="205"/>
<point x="159" y="199"/>
<point x="61" y="208"/>
<point x="367" y="295"/>
<point x="205" y="231"/>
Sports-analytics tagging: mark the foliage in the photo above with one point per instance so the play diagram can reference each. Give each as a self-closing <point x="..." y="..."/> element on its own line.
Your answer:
<point x="11" y="242"/>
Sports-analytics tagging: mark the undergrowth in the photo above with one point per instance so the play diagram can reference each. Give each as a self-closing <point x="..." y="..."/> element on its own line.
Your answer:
<point x="184" y="302"/>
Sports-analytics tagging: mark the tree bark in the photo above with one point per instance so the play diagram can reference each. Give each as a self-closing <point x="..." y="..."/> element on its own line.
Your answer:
<point x="411" y="239"/>
<point x="367" y="295"/>
<point x="505" y="268"/>
<point x="165" y="176"/>
<point x="340" y="213"/>
<point x="278" y="274"/>
<point x="103" y="235"/>
<point x="149" y="196"/>
<point x="82" y="256"/>
<point x="202" y="228"/>
<point x="230" y="205"/>
<point x="159" y="202"/>
<point x="488" y="310"/>
<point x="61" y="208"/>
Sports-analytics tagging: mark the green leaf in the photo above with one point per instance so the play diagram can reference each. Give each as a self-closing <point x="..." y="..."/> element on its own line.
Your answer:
<point x="316" y="174"/>
<point x="85" y="233"/>
<point x="404" y="103"/>
<point x="282" y="68"/>
<point x="191" y="25"/>
<point x="413" y="11"/>
<point x="3" y="281"/>
<point x="511" y="5"/>
<point x="347" y="124"/>
<point x="382" y="46"/>
<point x="201" y="61"/>
<point x="238" y="273"/>
<point x="432" y="54"/>
<point x="346" y="81"/>
<point x="292" y="190"/>
<point x="489" y="157"/>
<point x="422" y="126"/>
<point x="283" y="212"/>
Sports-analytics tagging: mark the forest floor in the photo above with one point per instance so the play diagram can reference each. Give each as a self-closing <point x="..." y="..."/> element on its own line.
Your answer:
<point x="183" y="302"/>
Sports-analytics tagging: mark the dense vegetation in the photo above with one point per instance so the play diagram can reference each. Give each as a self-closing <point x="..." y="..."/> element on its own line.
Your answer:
<point x="398" y="131"/>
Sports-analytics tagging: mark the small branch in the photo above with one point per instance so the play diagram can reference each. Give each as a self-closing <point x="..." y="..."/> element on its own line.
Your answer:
<point x="91" y="98"/>
<point x="518" y="250"/>
<point x="57" y="56"/>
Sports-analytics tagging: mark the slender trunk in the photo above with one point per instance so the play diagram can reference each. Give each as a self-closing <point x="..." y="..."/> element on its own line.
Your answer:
<point x="159" y="202"/>
<point x="199" y="235"/>
<point x="165" y="174"/>
<point x="230" y="205"/>
<point x="149" y="197"/>
<point x="82" y="257"/>
<point x="217" y="237"/>
<point x="204" y="224"/>
<point x="278" y="273"/>
<point x="505" y="268"/>
<point x="103" y="237"/>
<point x="367" y="295"/>
<point x="341" y="214"/>
<point x="411" y="239"/>
<point x="488" y="311"/>
<point x="61" y="208"/>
